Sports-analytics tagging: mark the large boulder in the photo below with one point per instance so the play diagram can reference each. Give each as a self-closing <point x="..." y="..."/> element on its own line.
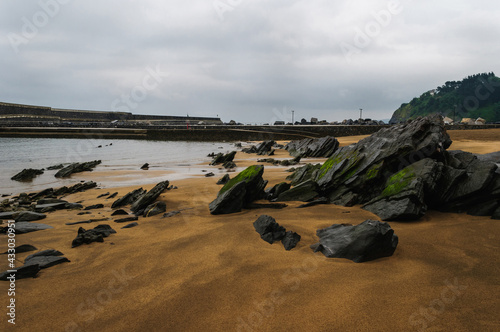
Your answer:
<point x="251" y="190"/>
<point x="77" y="168"/>
<point x="27" y="174"/>
<point x="367" y="241"/>
<point x="322" y="147"/>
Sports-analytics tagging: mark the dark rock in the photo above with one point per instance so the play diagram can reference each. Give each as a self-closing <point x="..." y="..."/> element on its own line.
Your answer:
<point x="269" y="230"/>
<point x="145" y="166"/>
<point x="27" y="174"/>
<point x="10" y="215"/>
<point x="23" y="272"/>
<point x="304" y="173"/>
<point x="229" y="165"/>
<point x="303" y="192"/>
<point x="22" y="248"/>
<point x="93" y="207"/>
<point x="83" y="213"/>
<point x="290" y="240"/>
<point x="321" y="200"/>
<point x="77" y="168"/>
<point x="367" y="241"/>
<point x="404" y="195"/>
<point x="496" y="214"/>
<point x="221" y="158"/>
<point x="209" y="175"/>
<point x="30" y="216"/>
<point x="322" y="147"/>
<point x="230" y="201"/>
<point x="102" y="195"/>
<point x="122" y="220"/>
<point x="276" y="190"/>
<point x="493" y="157"/>
<point x="120" y="212"/>
<point x="128" y="198"/>
<point x="225" y="179"/>
<point x="23" y="227"/>
<point x="131" y="225"/>
<point x="155" y="208"/>
<point x="54" y="167"/>
<point x="73" y="206"/>
<point x="113" y="195"/>
<point x="44" y="201"/>
<point x="46" y="258"/>
<point x="96" y="234"/>
<point x="253" y="186"/>
<point x="484" y="208"/>
<point x="148" y="198"/>
<point x="262" y="148"/>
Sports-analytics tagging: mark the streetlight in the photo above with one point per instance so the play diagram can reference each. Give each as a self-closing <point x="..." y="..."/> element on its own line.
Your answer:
<point x="292" y="116"/>
<point x="360" y="113"/>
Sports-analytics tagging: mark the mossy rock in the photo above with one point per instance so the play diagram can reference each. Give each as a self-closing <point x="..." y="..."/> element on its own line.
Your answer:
<point x="248" y="175"/>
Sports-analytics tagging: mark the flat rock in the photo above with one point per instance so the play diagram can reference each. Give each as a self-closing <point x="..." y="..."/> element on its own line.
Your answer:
<point x="23" y="272"/>
<point x="23" y="227"/>
<point x="303" y="192"/>
<point x="93" y="207"/>
<point x="367" y="241"/>
<point x="30" y="216"/>
<point x="46" y="258"/>
<point x="23" y="248"/>
<point x="11" y="215"/>
<point x="122" y="220"/>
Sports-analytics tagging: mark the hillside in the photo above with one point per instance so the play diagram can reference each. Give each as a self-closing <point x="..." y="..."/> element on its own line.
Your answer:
<point x="475" y="96"/>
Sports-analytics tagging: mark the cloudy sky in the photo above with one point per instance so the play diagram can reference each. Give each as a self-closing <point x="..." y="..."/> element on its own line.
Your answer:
<point x="251" y="61"/>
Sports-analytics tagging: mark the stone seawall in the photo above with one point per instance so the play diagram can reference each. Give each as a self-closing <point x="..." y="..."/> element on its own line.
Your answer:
<point x="205" y="133"/>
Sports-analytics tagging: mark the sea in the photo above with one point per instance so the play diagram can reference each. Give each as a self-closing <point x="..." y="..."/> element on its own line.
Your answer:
<point x="179" y="159"/>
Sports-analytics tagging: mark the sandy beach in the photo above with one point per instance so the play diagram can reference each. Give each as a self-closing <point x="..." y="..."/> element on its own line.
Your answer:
<point x="199" y="272"/>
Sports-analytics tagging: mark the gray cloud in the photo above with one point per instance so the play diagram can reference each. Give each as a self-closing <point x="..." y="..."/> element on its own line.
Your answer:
<point x="256" y="64"/>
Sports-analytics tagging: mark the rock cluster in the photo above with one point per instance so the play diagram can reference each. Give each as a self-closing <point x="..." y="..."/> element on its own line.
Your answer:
<point x="263" y="148"/>
<point x="400" y="172"/>
<point x="270" y="231"/>
<point x="96" y="234"/>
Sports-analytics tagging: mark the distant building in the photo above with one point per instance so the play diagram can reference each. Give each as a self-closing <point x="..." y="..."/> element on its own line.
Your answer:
<point x="279" y="123"/>
<point x="468" y="121"/>
<point x="448" y="121"/>
<point x="480" y="121"/>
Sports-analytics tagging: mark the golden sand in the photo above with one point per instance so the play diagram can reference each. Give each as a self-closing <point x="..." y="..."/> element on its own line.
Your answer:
<point x="198" y="272"/>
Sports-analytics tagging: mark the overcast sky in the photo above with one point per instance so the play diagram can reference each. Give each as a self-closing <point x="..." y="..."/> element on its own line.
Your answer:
<point x="251" y="61"/>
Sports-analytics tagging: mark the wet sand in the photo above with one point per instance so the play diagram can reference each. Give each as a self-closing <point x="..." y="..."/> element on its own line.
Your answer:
<point x="198" y="272"/>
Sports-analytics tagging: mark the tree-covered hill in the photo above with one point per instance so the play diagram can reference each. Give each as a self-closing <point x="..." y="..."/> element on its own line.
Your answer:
<point x="473" y="97"/>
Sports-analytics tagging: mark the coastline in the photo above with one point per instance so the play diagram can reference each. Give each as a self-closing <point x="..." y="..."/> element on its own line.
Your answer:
<point x="196" y="271"/>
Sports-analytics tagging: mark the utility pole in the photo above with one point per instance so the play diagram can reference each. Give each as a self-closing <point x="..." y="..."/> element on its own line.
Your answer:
<point x="360" y="113"/>
<point x="292" y="116"/>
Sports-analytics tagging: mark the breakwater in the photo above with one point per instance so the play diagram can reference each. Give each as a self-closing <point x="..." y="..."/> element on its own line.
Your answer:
<point x="204" y="133"/>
